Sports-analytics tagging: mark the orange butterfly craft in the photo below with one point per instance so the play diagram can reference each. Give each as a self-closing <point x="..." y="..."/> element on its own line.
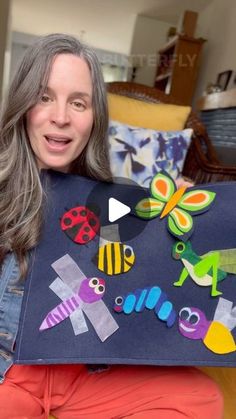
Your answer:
<point x="167" y="200"/>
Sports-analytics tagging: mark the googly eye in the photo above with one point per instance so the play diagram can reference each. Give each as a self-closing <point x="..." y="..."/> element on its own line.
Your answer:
<point x="93" y="282"/>
<point x="180" y="247"/>
<point x="184" y="313"/>
<point x="194" y="318"/>
<point x="119" y="301"/>
<point x="99" y="289"/>
<point x="128" y="251"/>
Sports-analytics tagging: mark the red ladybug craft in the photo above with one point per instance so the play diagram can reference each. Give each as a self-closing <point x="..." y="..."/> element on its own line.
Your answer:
<point x="80" y="224"/>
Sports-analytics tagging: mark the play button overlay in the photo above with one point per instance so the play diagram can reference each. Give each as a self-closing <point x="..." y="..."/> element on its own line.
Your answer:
<point x="114" y="204"/>
<point x="117" y="210"/>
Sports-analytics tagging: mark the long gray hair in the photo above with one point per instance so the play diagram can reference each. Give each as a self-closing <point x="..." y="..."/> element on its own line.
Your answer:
<point x="20" y="186"/>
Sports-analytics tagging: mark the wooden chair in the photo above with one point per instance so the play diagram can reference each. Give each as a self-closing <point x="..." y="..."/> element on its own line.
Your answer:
<point x="202" y="164"/>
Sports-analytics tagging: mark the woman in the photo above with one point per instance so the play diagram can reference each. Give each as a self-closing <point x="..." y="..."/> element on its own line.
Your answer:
<point x="55" y="117"/>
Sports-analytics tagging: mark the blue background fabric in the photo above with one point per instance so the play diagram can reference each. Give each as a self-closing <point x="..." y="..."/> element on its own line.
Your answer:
<point x="141" y="338"/>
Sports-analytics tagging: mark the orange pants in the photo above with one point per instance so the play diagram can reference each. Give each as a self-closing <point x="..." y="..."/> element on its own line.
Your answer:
<point x="71" y="392"/>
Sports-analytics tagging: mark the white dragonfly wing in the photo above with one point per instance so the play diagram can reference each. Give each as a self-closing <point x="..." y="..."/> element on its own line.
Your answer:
<point x="225" y="313"/>
<point x="69" y="271"/>
<point x="61" y="289"/>
<point x="101" y="319"/>
<point x="97" y="312"/>
<point x="78" y="322"/>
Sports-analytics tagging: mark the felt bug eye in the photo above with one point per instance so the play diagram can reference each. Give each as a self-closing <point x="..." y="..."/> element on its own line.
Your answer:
<point x="194" y="318"/>
<point x="184" y="313"/>
<point x="99" y="289"/>
<point x="93" y="282"/>
<point x="128" y="251"/>
<point x="119" y="301"/>
<point x="180" y="247"/>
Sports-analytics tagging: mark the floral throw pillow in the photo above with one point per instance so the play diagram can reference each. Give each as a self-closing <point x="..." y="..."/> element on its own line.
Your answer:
<point x="139" y="153"/>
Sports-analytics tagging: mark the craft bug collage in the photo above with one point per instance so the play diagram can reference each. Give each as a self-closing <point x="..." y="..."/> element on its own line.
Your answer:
<point x="80" y="294"/>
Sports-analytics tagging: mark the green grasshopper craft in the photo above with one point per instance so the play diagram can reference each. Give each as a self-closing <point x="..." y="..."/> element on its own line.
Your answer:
<point x="205" y="270"/>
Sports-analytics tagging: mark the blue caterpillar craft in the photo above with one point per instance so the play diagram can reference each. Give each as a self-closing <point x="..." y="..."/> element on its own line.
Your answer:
<point x="152" y="298"/>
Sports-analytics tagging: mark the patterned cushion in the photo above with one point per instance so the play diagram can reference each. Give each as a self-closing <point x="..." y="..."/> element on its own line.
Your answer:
<point x="139" y="153"/>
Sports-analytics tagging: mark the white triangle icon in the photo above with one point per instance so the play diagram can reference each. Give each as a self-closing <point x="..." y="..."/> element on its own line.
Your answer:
<point x="116" y="209"/>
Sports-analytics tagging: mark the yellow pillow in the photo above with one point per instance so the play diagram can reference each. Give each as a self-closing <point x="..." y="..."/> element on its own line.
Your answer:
<point x="147" y="115"/>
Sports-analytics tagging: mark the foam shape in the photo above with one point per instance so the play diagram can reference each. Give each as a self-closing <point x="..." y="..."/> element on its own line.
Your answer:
<point x="80" y="224"/>
<point x="204" y="270"/>
<point x="175" y="204"/>
<point x="83" y="294"/>
<point x="150" y="298"/>
<point x="114" y="258"/>
<point x="193" y="324"/>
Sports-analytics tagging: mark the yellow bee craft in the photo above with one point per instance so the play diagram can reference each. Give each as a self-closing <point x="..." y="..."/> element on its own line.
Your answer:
<point x="167" y="200"/>
<point x="113" y="257"/>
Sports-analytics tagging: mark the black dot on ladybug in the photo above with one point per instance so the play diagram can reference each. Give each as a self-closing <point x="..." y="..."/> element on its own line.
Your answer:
<point x="92" y="222"/>
<point x="67" y="221"/>
<point x="85" y="237"/>
<point x="86" y="229"/>
<point x="74" y="213"/>
<point x="83" y="213"/>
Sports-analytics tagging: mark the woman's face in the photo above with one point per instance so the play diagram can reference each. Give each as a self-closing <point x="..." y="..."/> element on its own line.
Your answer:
<point x="60" y="124"/>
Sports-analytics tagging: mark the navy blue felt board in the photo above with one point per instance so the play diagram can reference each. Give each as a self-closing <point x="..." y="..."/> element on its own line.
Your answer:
<point x="141" y="338"/>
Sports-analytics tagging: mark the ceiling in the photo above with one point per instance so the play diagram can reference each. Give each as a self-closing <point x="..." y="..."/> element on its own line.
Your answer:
<point x="166" y="10"/>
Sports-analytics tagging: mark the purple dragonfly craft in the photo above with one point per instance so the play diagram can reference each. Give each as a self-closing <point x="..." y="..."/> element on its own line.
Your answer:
<point x="79" y="294"/>
<point x="91" y="290"/>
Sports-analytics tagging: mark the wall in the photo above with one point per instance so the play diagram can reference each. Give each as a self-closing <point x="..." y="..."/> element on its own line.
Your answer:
<point x="217" y="24"/>
<point x="114" y="64"/>
<point x="94" y="26"/>
<point x="149" y="36"/>
<point x="5" y="12"/>
<point x="120" y="32"/>
<point x="130" y="35"/>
